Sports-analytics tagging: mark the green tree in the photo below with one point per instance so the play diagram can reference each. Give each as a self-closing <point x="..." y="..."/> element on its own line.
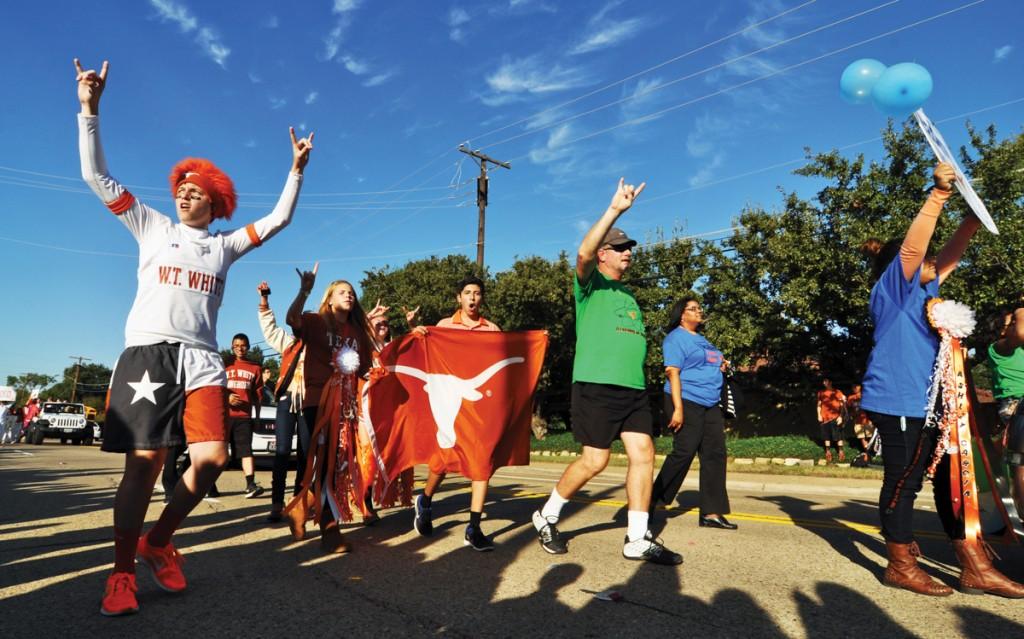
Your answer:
<point x="28" y="382"/>
<point x="255" y="355"/>
<point x="428" y="284"/>
<point x="661" y="272"/>
<point x="93" y="381"/>
<point x="537" y="294"/>
<point x="788" y="291"/>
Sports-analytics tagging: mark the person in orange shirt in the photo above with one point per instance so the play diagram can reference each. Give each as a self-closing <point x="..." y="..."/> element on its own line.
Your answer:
<point x="245" y="391"/>
<point x="470" y="296"/>
<point x="863" y="429"/>
<point x="831" y="403"/>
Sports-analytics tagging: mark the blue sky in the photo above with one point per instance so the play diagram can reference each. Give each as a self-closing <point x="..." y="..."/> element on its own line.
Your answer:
<point x="711" y="111"/>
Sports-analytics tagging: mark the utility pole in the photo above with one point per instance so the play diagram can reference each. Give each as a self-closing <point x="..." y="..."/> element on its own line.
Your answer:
<point x="78" y="365"/>
<point x="481" y="197"/>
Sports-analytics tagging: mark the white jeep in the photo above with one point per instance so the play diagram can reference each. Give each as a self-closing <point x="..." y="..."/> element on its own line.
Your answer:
<point x="63" y="420"/>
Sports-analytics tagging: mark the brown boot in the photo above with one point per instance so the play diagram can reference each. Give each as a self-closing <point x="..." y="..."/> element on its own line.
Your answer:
<point x="298" y="515"/>
<point x="979" y="576"/>
<point x="903" y="571"/>
<point x="331" y="539"/>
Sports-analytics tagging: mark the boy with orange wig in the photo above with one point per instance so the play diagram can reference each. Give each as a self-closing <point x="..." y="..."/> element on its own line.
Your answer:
<point x="168" y="386"/>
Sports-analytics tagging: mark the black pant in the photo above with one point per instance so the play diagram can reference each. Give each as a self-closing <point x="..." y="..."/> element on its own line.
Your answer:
<point x="907" y="449"/>
<point x="703" y="433"/>
<point x="171" y="473"/>
<point x="286" y="425"/>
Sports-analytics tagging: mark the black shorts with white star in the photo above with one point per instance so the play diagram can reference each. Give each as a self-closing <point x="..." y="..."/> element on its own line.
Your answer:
<point x="146" y="406"/>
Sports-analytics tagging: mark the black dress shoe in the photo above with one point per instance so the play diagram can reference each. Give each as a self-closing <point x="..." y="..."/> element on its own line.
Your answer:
<point x="718" y="521"/>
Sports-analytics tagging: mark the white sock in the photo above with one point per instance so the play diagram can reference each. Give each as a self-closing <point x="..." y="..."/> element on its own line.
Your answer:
<point x="636" y="527"/>
<point x="552" y="509"/>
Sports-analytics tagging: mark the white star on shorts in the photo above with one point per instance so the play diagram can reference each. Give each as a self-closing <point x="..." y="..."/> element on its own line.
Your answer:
<point x="144" y="388"/>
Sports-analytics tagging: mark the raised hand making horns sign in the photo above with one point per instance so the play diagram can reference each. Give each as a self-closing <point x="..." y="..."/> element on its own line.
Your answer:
<point x="90" y="87"/>
<point x="300" y="150"/>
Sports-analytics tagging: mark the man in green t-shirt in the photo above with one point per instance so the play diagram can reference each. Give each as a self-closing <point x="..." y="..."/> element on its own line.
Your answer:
<point x="609" y="398"/>
<point x="1006" y="355"/>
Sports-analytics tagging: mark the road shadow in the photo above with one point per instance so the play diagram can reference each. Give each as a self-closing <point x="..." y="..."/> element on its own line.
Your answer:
<point x="395" y="583"/>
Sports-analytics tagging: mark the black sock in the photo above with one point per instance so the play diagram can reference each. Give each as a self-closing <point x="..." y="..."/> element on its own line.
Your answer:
<point x="250" y="481"/>
<point x="426" y="500"/>
<point x="474" y="519"/>
<point x="369" y="502"/>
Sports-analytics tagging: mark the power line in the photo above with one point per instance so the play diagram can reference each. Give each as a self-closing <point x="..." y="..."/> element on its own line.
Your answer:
<point x="137" y="187"/>
<point x="647" y="70"/>
<point x="759" y="78"/>
<point x="689" y="76"/>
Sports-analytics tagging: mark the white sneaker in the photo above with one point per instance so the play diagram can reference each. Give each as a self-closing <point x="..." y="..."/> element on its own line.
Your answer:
<point x="649" y="549"/>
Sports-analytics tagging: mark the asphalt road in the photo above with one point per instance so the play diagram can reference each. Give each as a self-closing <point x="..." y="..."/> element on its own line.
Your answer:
<point x="806" y="562"/>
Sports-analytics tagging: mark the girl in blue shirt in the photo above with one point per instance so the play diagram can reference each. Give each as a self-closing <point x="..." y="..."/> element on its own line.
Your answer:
<point x="896" y="396"/>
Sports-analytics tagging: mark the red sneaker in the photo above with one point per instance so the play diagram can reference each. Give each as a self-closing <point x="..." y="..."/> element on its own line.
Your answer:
<point x="164" y="563"/>
<point x="119" y="599"/>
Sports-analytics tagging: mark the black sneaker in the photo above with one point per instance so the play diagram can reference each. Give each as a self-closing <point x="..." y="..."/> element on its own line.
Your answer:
<point x="550" y="539"/>
<point x="254" y="491"/>
<point x="652" y="550"/>
<point x="213" y="493"/>
<point x="477" y="539"/>
<point x="423" y="523"/>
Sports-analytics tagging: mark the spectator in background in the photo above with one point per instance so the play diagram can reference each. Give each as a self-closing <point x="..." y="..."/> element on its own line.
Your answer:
<point x="6" y="424"/>
<point x="863" y="429"/>
<point x="1006" y="357"/>
<point x="245" y="388"/>
<point x="831" y="409"/>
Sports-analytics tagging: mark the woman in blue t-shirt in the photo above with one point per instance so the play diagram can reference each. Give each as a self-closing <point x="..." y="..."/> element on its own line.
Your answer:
<point x="694" y="370"/>
<point x="896" y="396"/>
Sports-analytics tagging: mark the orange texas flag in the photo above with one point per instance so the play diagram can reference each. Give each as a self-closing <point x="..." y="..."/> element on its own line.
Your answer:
<point x="459" y="401"/>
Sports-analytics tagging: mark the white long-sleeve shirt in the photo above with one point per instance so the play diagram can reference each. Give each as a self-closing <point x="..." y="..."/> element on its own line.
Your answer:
<point x="278" y="339"/>
<point x="182" y="270"/>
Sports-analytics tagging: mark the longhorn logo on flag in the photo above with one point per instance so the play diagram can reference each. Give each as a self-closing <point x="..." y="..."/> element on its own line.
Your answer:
<point x="458" y="400"/>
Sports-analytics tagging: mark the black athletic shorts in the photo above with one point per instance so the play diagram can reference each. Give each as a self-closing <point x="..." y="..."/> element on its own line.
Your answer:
<point x="146" y="406"/>
<point x="600" y="412"/>
<point x="241" y="437"/>
<point x="832" y="430"/>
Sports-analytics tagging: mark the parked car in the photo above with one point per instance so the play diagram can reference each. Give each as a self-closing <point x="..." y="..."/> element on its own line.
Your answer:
<point x="60" y="420"/>
<point x="264" y="440"/>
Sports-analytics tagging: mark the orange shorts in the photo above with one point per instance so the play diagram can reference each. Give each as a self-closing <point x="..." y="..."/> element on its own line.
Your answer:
<point x="206" y="415"/>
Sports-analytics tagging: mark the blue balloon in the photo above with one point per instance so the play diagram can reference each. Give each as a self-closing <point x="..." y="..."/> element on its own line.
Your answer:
<point x="858" y="79"/>
<point x="902" y="89"/>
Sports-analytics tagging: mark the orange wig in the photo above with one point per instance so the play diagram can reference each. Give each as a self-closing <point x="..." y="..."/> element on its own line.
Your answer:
<point x="205" y="174"/>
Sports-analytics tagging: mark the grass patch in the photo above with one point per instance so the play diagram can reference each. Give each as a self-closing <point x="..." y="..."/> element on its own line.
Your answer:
<point x="779" y="446"/>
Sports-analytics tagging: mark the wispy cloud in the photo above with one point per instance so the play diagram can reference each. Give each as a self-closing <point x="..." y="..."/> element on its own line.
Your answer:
<point x="255" y="78"/>
<point x="608" y="36"/>
<point x="271" y="22"/>
<point x="419" y="125"/>
<point x="206" y="37"/>
<point x="643" y="97"/>
<point x="277" y="103"/>
<point x="250" y="144"/>
<point x="706" y="135"/>
<point x="354" y="66"/>
<point x="533" y="76"/>
<point x="343" y="9"/>
<point x="555" y="148"/>
<point x="523" y="7"/>
<point x="457" y="17"/>
<point x="707" y="171"/>
<point x="311" y="97"/>
<point x="379" y="79"/>
<point x="602" y="33"/>
<point x="1000" y="54"/>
